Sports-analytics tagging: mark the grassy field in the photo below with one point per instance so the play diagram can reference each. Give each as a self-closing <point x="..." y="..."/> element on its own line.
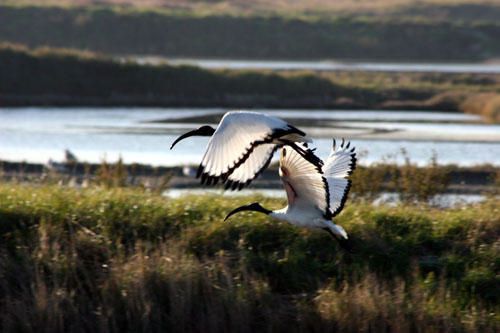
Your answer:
<point x="408" y="31"/>
<point x="127" y="260"/>
<point x="63" y="77"/>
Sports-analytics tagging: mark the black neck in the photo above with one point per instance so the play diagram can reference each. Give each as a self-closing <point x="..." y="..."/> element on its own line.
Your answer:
<point x="205" y="131"/>
<point x="255" y="207"/>
<point x="258" y="208"/>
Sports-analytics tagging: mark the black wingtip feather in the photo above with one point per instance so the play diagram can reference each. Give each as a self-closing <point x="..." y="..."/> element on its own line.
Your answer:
<point x="296" y="130"/>
<point x="235" y="186"/>
<point x="199" y="171"/>
<point x="203" y="178"/>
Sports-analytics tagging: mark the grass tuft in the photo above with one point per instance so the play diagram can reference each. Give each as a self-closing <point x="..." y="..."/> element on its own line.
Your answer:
<point x="115" y="259"/>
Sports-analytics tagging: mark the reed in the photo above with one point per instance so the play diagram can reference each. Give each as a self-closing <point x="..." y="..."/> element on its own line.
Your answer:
<point x="412" y="183"/>
<point x="486" y="104"/>
<point x="124" y="259"/>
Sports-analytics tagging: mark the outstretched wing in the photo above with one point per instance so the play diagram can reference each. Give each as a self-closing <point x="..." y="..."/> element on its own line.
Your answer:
<point x="242" y="147"/>
<point x="304" y="183"/>
<point x="337" y="169"/>
<point x="257" y="162"/>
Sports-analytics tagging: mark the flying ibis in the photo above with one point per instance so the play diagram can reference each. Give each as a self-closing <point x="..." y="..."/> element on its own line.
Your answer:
<point x="242" y="146"/>
<point x="315" y="193"/>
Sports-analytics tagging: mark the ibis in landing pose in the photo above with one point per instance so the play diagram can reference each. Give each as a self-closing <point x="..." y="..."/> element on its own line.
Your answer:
<point x="242" y="146"/>
<point x="315" y="193"/>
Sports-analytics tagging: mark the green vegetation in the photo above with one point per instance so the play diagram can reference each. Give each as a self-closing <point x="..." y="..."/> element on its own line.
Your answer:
<point x="421" y="32"/>
<point x="410" y="182"/>
<point x="67" y="77"/>
<point x="466" y="10"/>
<point x="127" y="260"/>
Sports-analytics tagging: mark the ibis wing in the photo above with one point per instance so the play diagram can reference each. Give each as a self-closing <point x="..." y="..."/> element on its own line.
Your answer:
<point x="303" y="181"/>
<point x="241" y="148"/>
<point x="337" y="169"/>
<point x="258" y="160"/>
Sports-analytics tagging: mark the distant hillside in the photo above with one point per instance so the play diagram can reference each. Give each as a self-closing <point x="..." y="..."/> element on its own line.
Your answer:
<point x="444" y="10"/>
<point x="74" y="78"/>
<point x="187" y="34"/>
<point x="58" y="77"/>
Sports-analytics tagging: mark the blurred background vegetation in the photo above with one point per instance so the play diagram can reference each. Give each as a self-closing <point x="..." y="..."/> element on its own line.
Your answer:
<point x="64" y="77"/>
<point x="374" y="30"/>
<point x="381" y="30"/>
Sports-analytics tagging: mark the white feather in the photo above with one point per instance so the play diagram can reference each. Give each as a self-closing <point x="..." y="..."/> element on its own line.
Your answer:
<point x="242" y="145"/>
<point x="315" y="193"/>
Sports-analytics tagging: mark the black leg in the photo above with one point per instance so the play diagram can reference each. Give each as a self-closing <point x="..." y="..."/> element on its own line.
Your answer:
<point x="307" y="154"/>
<point x="346" y="244"/>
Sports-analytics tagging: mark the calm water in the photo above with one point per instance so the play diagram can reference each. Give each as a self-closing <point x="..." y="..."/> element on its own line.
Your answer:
<point x="440" y="200"/>
<point x="492" y="68"/>
<point x="37" y="134"/>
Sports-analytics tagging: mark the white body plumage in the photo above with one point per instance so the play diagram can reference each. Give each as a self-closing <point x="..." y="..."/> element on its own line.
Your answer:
<point x="315" y="192"/>
<point x="307" y="219"/>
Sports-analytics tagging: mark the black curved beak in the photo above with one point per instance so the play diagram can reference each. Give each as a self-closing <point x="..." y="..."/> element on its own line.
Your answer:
<point x="237" y="210"/>
<point x="255" y="207"/>
<point x="185" y="135"/>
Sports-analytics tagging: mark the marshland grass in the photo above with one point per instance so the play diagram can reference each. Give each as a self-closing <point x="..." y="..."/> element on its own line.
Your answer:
<point x="261" y="30"/>
<point x="67" y="77"/>
<point x="410" y="182"/>
<point x="123" y="259"/>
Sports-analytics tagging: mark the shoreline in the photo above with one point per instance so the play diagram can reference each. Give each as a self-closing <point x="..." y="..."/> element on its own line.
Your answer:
<point x="463" y="180"/>
<point x="228" y="101"/>
<point x="327" y="128"/>
<point x="54" y="77"/>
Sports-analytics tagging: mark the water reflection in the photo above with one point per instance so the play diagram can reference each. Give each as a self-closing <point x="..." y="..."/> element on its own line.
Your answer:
<point x="37" y="134"/>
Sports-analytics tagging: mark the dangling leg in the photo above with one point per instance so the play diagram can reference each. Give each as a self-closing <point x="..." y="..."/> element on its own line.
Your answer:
<point x="305" y="153"/>
<point x="346" y="244"/>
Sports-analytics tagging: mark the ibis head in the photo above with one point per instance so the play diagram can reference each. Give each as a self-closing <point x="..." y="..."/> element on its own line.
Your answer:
<point x="256" y="207"/>
<point x="202" y="131"/>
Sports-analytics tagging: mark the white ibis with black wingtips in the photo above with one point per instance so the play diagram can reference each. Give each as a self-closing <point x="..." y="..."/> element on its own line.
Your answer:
<point x="242" y="146"/>
<point x="315" y="193"/>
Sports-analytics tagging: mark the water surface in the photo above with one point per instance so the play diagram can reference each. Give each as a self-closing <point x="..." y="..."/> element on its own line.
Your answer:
<point x="92" y="134"/>
<point x="447" y="200"/>
<point x="490" y="68"/>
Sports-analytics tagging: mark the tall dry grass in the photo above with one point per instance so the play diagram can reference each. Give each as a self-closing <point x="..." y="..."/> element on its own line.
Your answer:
<point x="120" y="259"/>
<point x="390" y="306"/>
<point x="486" y="105"/>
